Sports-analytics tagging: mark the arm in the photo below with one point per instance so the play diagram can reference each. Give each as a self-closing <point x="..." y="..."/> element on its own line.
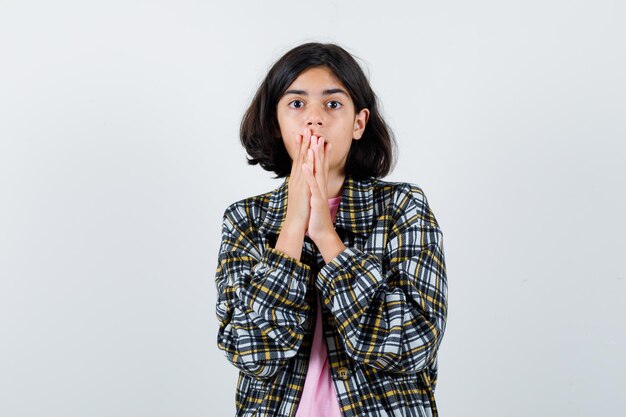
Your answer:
<point x="391" y="312"/>
<point x="261" y="302"/>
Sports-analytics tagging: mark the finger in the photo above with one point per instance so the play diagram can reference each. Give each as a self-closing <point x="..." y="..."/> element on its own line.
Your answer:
<point x="310" y="179"/>
<point x="310" y="160"/>
<point x="296" y="158"/>
<point x="313" y="144"/>
<point x="327" y="158"/>
<point x="298" y="149"/>
<point x="319" y="161"/>
<point x="306" y="138"/>
<point x="319" y="172"/>
<point x="320" y="150"/>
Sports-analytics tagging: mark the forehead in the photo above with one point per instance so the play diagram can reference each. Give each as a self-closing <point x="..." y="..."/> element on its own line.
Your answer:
<point x="315" y="80"/>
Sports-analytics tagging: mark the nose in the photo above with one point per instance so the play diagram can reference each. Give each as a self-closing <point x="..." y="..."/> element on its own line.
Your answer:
<point x="314" y="117"/>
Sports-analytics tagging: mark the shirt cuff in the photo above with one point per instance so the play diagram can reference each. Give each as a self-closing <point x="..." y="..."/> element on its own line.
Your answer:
<point x="276" y="259"/>
<point x="340" y="264"/>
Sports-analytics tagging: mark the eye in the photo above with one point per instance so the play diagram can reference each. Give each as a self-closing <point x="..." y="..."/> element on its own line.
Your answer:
<point x="294" y="101"/>
<point x="336" y="102"/>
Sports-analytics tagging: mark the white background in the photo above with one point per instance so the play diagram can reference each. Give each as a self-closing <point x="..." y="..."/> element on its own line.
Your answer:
<point x="119" y="152"/>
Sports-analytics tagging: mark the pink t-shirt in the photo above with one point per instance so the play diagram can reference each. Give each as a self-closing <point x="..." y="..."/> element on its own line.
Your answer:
<point x="319" y="397"/>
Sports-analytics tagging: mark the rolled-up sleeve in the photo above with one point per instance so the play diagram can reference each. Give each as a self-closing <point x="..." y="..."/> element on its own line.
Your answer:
<point x="391" y="310"/>
<point x="261" y="304"/>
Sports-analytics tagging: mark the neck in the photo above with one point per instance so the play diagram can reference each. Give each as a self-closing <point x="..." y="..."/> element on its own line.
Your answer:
<point x="335" y="184"/>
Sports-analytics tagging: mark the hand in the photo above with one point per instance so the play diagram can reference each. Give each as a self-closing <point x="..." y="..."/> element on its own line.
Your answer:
<point x="315" y="170"/>
<point x="298" y="190"/>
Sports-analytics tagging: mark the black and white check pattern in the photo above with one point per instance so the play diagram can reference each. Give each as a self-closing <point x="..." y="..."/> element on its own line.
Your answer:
<point x="384" y="302"/>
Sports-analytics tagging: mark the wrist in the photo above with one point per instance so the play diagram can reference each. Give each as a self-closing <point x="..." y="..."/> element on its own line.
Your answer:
<point x="330" y="245"/>
<point x="290" y="239"/>
<point x="293" y="227"/>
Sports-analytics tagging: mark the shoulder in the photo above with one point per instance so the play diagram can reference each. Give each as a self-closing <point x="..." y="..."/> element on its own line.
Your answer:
<point x="246" y="210"/>
<point x="401" y="193"/>
<point x="408" y="199"/>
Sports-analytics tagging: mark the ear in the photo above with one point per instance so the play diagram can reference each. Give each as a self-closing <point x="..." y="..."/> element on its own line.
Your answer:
<point x="360" y="120"/>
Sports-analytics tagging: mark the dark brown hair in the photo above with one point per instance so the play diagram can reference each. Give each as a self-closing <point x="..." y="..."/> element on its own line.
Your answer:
<point x="371" y="156"/>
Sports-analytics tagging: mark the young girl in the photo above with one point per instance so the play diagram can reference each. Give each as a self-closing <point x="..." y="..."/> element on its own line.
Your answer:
<point x="332" y="288"/>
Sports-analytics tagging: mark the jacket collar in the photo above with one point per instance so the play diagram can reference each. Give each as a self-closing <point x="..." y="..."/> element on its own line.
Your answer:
<point x="355" y="212"/>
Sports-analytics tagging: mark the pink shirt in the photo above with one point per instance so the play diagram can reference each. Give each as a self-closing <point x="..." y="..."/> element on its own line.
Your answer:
<point x="319" y="397"/>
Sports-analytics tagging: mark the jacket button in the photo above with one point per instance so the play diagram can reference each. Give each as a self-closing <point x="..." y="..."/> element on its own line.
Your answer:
<point x="330" y="320"/>
<point x="342" y="372"/>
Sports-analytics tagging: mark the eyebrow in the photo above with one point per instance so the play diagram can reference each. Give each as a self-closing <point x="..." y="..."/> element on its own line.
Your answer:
<point x="326" y="92"/>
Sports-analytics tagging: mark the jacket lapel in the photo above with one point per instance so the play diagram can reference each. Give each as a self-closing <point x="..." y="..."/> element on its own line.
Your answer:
<point x="355" y="212"/>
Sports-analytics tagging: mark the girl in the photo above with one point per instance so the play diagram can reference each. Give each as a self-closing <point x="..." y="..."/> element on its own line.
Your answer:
<point x="332" y="288"/>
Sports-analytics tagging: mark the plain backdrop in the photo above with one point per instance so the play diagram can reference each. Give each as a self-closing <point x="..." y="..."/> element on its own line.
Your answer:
<point x="119" y="152"/>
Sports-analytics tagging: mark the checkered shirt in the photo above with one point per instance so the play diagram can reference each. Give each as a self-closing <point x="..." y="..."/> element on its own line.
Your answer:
<point x="384" y="302"/>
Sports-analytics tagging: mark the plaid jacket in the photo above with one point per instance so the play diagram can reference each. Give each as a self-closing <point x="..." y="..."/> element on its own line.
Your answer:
<point x="384" y="302"/>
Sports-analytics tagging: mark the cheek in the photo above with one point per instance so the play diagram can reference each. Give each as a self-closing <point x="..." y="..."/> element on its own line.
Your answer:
<point x="291" y="145"/>
<point x="290" y="148"/>
<point x="288" y="133"/>
<point x="289" y="139"/>
<point x="339" y="151"/>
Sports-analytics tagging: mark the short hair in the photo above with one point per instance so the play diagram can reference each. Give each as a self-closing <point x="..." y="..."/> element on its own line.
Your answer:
<point x="373" y="155"/>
